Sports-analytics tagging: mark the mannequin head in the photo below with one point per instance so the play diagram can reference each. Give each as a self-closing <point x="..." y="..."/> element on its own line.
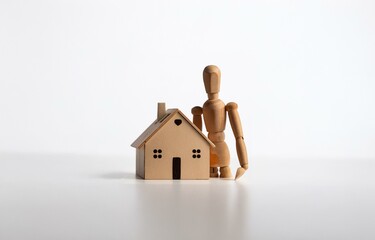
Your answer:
<point x="211" y="79"/>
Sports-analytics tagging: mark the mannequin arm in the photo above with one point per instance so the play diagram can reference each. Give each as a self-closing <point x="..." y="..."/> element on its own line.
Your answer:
<point x="197" y="116"/>
<point x="235" y="123"/>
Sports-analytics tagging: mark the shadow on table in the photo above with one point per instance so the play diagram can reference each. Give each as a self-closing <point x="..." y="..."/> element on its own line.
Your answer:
<point x="213" y="209"/>
<point x="118" y="175"/>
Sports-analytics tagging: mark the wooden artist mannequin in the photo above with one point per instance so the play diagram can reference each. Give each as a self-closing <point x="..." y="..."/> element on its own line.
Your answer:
<point x="214" y="114"/>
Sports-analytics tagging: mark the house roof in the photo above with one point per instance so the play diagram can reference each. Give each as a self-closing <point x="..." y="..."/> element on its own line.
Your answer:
<point x="158" y="124"/>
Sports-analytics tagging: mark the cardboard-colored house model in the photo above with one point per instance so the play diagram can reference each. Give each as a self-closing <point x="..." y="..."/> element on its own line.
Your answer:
<point x="172" y="147"/>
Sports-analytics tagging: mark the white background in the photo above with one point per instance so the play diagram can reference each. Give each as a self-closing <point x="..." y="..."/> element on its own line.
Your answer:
<point x="84" y="77"/>
<point x="79" y="81"/>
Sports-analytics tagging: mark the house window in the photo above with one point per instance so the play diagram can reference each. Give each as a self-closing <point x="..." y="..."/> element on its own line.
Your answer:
<point x="196" y="153"/>
<point x="157" y="153"/>
<point x="178" y="122"/>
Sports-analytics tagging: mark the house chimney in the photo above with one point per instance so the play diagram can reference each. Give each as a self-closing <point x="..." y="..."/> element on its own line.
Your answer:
<point x="161" y="110"/>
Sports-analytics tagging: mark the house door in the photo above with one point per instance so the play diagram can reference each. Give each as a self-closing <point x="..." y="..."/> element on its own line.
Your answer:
<point x="176" y="168"/>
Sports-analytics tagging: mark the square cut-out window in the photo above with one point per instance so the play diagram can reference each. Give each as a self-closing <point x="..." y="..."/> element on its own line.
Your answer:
<point x="157" y="153"/>
<point x="196" y="153"/>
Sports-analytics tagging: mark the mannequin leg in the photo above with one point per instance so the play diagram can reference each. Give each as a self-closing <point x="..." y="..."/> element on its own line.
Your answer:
<point x="225" y="172"/>
<point x="214" y="172"/>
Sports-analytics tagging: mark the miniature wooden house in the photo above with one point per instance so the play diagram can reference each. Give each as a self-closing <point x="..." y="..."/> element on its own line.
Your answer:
<point x="172" y="147"/>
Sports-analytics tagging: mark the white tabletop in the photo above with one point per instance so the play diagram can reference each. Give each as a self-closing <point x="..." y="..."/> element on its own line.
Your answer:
<point x="98" y="197"/>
